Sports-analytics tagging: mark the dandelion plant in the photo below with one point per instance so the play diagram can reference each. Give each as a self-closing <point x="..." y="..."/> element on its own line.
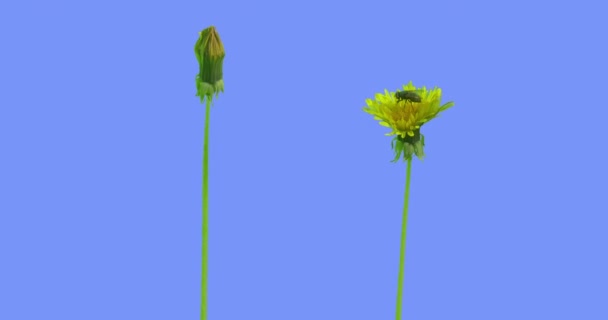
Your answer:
<point x="404" y="112"/>
<point x="209" y="52"/>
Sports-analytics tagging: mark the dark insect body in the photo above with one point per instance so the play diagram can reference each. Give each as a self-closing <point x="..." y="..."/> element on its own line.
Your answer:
<point x="407" y="95"/>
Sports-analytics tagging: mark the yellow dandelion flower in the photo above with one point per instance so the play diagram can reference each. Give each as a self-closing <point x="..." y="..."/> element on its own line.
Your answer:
<point x="404" y="112"/>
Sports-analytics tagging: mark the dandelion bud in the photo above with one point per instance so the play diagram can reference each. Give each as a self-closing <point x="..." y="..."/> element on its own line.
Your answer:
<point x="209" y="52"/>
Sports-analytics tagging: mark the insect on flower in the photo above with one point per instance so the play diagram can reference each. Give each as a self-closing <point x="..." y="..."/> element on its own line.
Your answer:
<point x="408" y="95"/>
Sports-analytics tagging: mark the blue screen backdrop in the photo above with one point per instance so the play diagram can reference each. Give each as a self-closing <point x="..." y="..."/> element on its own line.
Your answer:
<point x="101" y="146"/>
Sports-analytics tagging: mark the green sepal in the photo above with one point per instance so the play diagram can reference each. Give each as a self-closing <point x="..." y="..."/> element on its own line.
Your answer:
<point x="208" y="91"/>
<point x="419" y="148"/>
<point x="397" y="145"/>
<point x="408" y="146"/>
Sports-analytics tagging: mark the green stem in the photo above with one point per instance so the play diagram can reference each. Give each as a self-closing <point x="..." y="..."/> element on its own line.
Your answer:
<point x="403" y="233"/>
<point x="205" y="213"/>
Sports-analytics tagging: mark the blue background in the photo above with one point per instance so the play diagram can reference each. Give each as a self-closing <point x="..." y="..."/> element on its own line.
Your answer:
<point x="101" y="138"/>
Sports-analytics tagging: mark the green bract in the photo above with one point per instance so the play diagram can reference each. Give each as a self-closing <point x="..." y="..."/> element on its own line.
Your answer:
<point x="209" y="52"/>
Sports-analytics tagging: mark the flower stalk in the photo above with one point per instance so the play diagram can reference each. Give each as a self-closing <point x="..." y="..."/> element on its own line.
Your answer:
<point x="403" y="237"/>
<point x="205" y="213"/>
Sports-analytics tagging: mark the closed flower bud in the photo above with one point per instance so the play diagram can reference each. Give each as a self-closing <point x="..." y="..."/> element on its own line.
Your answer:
<point x="209" y="52"/>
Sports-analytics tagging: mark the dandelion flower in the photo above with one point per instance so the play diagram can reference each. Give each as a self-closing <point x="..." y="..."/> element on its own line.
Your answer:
<point x="405" y="117"/>
<point x="404" y="112"/>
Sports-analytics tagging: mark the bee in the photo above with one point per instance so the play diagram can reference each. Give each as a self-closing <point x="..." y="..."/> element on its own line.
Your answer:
<point x="408" y="95"/>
